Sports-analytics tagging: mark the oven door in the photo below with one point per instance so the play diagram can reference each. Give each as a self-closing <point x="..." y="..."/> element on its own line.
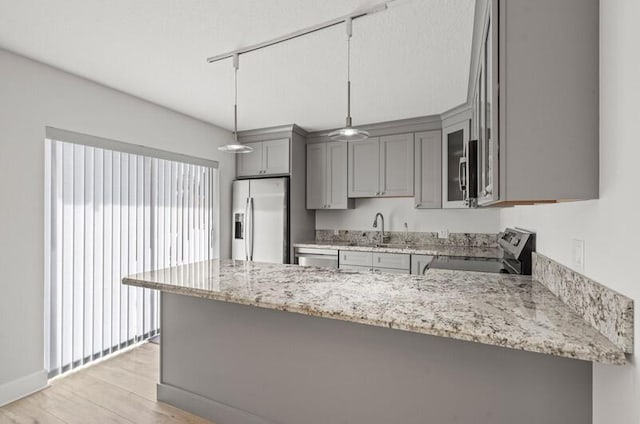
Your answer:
<point x="466" y="263"/>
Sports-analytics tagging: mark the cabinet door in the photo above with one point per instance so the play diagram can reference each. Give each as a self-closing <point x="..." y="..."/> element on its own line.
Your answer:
<point x="275" y="156"/>
<point x="316" y="175"/>
<point x="400" y="261"/>
<point x="428" y="170"/>
<point x="363" y="169"/>
<point x="336" y="175"/>
<point x="250" y="164"/>
<point x="488" y="141"/>
<point x="348" y="257"/>
<point x="396" y="165"/>
<point x="454" y="142"/>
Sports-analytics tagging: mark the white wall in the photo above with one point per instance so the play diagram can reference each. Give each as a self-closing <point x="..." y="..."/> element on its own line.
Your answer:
<point x="608" y="225"/>
<point x="397" y="211"/>
<point x="32" y="96"/>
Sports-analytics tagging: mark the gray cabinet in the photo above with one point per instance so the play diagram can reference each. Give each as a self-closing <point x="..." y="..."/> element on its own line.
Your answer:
<point x="250" y="164"/>
<point x="267" y="158"/>
<point x="363" y="169"/>
<point x="316" y="175"/>
<point x="349" y="257"/>
<point x="389" y="263"/>
<point x="396" y="165"/>
<point x="381" y="167"/>
<point x="275" y="156"/>
<point x="428" y="170"/>
<point x="399" y="261"/>
<point x="455" y="138"/>
<point x="327" y="176"/>
<point x="534" y="87"/>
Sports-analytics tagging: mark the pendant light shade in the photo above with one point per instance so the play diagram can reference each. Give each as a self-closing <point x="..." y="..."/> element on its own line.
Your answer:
<point x="348" y="133"/>
<point x="235" y="147"/>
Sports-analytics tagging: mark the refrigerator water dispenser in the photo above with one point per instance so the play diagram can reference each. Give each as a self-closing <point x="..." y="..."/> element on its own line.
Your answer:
<point x="238" y="228"/>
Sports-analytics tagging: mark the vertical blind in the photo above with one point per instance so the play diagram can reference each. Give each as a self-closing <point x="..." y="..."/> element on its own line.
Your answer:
<point x="108" y="214"/>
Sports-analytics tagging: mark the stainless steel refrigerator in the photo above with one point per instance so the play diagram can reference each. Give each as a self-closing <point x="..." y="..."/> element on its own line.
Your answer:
<point x="260" y="220"/>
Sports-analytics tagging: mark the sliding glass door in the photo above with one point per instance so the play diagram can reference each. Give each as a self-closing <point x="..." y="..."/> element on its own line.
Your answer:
<point x="111" y="212"/>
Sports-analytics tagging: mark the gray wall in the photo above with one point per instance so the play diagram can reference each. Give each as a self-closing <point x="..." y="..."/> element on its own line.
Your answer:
<point x="32" y="96"/>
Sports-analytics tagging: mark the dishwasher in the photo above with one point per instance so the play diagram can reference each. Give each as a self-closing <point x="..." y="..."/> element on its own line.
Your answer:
<point x="324" y="258"/>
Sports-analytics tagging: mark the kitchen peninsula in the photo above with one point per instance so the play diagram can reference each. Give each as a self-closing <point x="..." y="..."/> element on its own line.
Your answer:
<point x="248" y="342"/>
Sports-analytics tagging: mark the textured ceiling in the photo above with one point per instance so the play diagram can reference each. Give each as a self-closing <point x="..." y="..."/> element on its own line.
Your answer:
<point x="410" y="60"/>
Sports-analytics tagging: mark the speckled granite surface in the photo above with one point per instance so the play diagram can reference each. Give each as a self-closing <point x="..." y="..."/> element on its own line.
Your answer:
<point x="608" y="311"/>
<point x="419" y="238"/>
<point x="416" y="249"/>
<point x="495" y="309"/>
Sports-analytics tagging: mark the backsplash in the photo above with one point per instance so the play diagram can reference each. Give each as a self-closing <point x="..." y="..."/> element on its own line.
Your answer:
<point x="608" y="311"/>
<point x="421" y="238"/>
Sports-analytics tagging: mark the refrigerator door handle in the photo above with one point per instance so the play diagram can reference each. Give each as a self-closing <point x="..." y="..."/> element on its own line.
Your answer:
<point x="251" y="230"/>
<point x="246" y="230"/>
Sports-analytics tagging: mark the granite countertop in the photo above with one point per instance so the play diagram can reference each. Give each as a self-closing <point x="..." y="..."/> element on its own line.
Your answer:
<point x="415" y="249"/>
<point x="496" y="309"/>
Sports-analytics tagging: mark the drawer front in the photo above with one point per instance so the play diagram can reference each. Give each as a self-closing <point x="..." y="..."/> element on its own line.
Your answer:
<point x="355" y="268"/>
<point x="348" y="257"/>
<point x="392" y="260"/>
<point x="391" y="271"/>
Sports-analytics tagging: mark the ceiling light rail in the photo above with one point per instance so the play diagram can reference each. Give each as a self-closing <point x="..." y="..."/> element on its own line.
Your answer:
<point x="308" y="30"/>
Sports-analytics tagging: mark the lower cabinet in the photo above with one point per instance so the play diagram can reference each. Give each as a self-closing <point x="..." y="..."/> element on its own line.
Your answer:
<point x="389" y="263"/>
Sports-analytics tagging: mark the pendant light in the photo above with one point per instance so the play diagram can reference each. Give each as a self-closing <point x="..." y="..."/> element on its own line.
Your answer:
<point x="235" y="147"/>
<point x="348" y="133"/>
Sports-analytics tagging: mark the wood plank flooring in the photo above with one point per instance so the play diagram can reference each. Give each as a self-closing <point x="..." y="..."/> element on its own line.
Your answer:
<point x="121" y="389"/>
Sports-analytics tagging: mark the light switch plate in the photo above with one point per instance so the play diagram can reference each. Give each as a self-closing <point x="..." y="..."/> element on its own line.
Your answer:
<point x="578" y="254"/>
<point x="443" y="234"/>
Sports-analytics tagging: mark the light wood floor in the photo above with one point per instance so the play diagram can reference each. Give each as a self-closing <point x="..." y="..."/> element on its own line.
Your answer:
<point x="121" y="389"/>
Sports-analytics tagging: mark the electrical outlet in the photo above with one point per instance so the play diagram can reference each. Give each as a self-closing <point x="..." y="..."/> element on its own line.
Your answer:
<point x="443" y="234"/>
<point x="578" y="254"/>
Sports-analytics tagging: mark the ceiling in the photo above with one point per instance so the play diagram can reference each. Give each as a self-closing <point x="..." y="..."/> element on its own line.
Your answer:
<point x="410" y="60"/>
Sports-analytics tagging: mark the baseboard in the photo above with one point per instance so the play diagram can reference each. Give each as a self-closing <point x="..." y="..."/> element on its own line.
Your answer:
<point x="22" y="387"/>
<point x="217" y="412"/>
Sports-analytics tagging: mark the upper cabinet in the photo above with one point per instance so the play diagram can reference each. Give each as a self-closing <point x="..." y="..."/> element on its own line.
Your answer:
<point x="396" y="165"/>
<point x="428" y="170"/>
<point x="327" y="176"/>
<point x="534" y="92"/>
<point x="363" y="169"/>
<point x="269" y="157"/>
<point x="455" y="141"/>
<point x="381" y="167"/>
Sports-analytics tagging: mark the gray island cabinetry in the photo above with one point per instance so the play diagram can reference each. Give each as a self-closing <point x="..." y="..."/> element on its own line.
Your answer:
<point x="246" y="342"/>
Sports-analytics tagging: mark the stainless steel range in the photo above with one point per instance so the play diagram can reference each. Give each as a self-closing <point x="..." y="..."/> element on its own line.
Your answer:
<point x="517" y="246"/>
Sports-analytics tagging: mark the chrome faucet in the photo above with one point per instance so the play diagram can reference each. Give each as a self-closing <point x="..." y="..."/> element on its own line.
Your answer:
<point x="384" y="238"/>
